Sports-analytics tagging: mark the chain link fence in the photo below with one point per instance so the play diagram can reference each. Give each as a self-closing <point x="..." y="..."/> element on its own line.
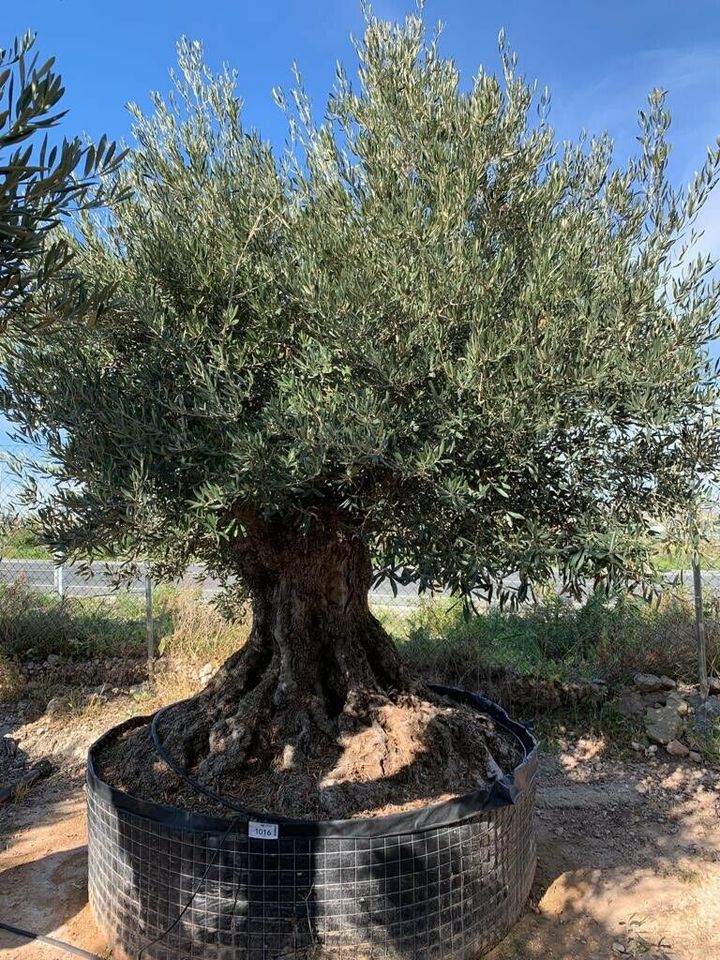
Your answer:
<point x="45" y="603"/>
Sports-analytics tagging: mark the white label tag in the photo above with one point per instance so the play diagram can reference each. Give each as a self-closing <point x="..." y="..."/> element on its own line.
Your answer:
<point x="263" y="831"/>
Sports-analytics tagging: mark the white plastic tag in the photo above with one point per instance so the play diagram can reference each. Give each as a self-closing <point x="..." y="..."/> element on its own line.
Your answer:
<point x="262" y="831"/>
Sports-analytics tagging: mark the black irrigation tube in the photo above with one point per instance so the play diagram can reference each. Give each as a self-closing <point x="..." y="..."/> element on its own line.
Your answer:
<point x="50" y="941"/>
<point x="501" y="792"/>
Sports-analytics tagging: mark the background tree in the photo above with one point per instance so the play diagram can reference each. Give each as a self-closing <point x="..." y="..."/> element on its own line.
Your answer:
<point x="40" y="185"/>
<point x="428" y="340"/>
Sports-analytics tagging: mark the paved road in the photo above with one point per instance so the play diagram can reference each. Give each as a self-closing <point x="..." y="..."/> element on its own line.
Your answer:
<point x="42" y="576"/>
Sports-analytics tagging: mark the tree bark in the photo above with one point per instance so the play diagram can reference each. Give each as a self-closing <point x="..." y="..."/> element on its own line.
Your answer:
<point x="317" y="661"/>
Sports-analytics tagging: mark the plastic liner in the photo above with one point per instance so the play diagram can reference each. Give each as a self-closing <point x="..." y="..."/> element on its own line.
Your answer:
<point x="442" y="882"/>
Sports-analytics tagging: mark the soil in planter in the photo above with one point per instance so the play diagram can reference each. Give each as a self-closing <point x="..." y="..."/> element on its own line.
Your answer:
<point x="409" y="750"/>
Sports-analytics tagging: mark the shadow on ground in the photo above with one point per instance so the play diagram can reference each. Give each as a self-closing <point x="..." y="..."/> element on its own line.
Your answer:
<point x="628" y="865"/>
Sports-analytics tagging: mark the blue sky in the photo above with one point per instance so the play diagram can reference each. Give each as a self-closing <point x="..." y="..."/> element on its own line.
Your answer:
<point x="599" y="59"/>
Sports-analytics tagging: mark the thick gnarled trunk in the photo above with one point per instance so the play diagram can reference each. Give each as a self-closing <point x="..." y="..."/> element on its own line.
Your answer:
<point x="316" y="664"/>
<point x="313" y="717"/>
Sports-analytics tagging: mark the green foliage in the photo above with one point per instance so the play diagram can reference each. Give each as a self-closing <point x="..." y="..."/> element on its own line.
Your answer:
<point x="34" y="625"/>
<point x="41" y="183"/>
<point x="487" y="348"/>
<point x="610" y="638"/>
<point x="19" y="540"/>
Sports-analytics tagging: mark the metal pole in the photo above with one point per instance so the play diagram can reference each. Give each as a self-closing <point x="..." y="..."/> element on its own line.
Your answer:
<point x="149" y="624"/>
<point x="61" y="580"/>
<point x="700" y="628"/>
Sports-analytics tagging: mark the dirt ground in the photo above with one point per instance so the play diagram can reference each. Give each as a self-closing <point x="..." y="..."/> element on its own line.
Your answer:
<point x="629" y="852"/>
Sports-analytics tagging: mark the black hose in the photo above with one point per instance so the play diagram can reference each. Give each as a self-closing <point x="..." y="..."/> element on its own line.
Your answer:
<point x="247" y="813"/>
<point x="51" y="941"/>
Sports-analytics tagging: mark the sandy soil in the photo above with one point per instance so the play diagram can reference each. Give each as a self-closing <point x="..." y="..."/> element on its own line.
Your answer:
<point x="629" y="854"/>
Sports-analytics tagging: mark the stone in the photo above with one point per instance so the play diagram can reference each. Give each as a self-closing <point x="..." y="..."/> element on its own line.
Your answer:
<point x="54" y="707"/>
<point x="647" y="682"/>
<point x="677" y="749"/>
<point x="634" y="745"/>
<point x="8" y="746"/>
<point x="695" y="756"/>
<point x="707" y="715"/>
<point x="680" y="704"/>
<point x="630" y="704"/>
<point x="714" y="684"/>
<point x="205" y="673"/>
<point x="53" y="659"/>
<point x="667" y="683"/>
<point x="662" y="724"/>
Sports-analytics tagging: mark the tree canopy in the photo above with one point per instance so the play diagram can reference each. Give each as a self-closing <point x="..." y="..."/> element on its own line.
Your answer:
<point x="488" y="349"/>
<point x="41" y="184"/>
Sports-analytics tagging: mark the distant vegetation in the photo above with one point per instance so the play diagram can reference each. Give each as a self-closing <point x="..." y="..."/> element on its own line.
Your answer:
<point x="21" y="541"/>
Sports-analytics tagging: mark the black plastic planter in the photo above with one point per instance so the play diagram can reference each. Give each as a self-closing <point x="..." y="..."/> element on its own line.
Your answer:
<point x="445" y="882"/>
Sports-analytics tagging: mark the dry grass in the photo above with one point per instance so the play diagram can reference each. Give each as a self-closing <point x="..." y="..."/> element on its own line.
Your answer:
<point x="199" y="635"/>
<point x="11" y="680"/>
<point x="199" y="632"/>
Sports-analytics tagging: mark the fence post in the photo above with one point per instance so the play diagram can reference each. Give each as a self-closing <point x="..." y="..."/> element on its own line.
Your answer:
<point x="700" y="627"/>
<point x="149" y="623"/>
<point x="60" y="580"/>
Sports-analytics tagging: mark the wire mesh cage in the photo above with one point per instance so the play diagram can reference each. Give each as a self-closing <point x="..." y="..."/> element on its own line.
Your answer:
<point x="444" y="882"/>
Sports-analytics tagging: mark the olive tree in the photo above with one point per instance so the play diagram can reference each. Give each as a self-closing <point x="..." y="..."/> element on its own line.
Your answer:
<point x="427" y="341"/>
<point x="41" y="183"/>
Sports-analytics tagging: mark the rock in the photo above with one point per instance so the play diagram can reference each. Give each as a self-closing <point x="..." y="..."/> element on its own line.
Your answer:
<point x="205" y="673"/>
<point x="677" y="749"/>
<point x="714" y="684"/>
<point x="651" y="750"/>
<point x="630" y="704"/>
<point x="695" y="756"/>
<point x="667" y="683"/>
<point x="647" y="682"/>
<point x="635" y="746"/>
<point x="662" y="724"/>
<point x="680" y="704"/>
<point x="707" y="714"/>
<point x="54" y="707"/>
<point x="8" y="746"/>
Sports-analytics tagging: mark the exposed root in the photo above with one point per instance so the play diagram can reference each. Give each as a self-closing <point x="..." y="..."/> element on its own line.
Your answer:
<point x="385" y="754"/>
